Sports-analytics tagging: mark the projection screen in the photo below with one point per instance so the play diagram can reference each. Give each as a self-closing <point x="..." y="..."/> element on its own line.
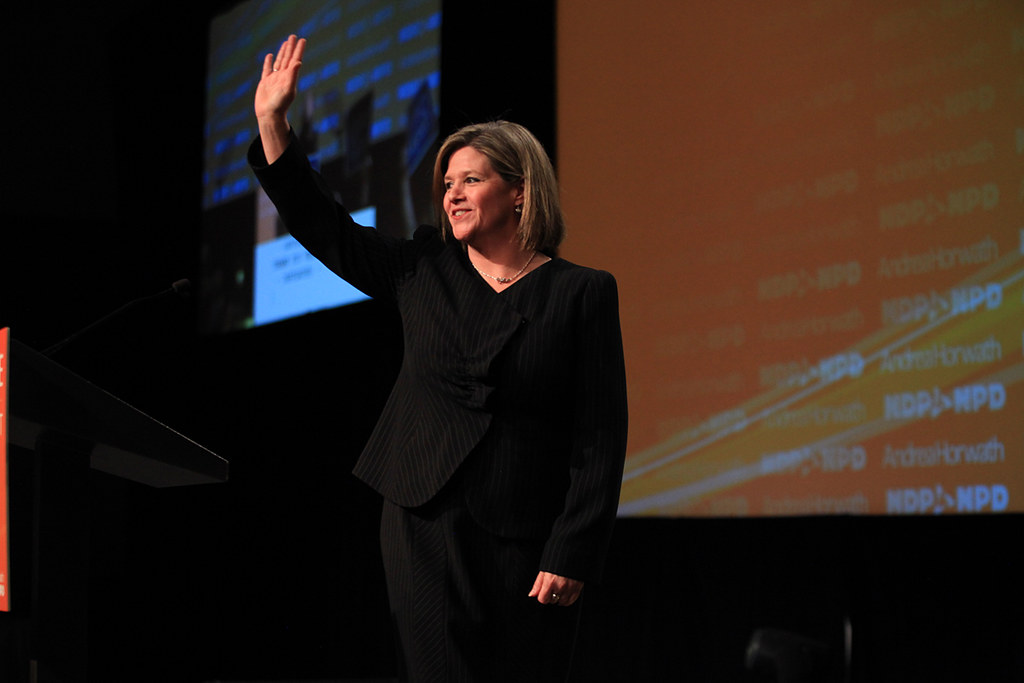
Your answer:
<point x="815" y="213"/>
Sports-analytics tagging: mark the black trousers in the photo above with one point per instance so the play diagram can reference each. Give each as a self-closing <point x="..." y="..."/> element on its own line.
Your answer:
<point x="459" y="600"/>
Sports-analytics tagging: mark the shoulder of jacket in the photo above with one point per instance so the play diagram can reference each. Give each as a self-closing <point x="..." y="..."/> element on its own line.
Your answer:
<point x="583" y="274"/>
<point x="425" y="233"/>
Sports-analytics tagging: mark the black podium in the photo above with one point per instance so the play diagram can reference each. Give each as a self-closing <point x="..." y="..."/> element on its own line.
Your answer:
<point x="70" y="426"/>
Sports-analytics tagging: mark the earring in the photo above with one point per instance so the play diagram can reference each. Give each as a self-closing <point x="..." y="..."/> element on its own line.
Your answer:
<point x="519" y="208"/>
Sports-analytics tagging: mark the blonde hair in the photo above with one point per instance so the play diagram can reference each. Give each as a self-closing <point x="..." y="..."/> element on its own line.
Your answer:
<point x="516" y="155"/>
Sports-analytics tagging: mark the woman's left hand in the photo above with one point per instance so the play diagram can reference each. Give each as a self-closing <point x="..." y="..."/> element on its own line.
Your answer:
<point x="552" y="589"/>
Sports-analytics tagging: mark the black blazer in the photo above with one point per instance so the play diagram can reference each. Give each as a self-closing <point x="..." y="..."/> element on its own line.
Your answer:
<point x="522" y="391"/>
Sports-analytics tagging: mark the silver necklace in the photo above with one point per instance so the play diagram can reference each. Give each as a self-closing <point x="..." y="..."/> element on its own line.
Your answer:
<point x="506" y="280"/>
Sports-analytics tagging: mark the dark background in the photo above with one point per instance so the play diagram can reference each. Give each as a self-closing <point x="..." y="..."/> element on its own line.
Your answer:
<point x="275" y="575"/>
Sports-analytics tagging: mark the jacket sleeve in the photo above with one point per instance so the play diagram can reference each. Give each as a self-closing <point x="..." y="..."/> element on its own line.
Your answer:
<point x="368" y="260"/>
<point x="581" y="534"/>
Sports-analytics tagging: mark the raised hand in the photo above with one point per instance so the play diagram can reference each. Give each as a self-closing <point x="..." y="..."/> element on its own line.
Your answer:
<point x="275" y="93"/>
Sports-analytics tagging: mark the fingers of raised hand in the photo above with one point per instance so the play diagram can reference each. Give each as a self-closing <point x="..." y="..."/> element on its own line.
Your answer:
<point x="268" y="65"/>
<point x="290" y="54"/>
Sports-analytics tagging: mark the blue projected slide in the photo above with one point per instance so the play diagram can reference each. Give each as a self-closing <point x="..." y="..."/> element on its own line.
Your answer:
<point x="289" y="281"/>
<point x="366" y="115"/>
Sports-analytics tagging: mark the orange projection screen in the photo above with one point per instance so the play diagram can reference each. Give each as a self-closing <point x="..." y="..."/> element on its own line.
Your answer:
<point x="815" y="212"/>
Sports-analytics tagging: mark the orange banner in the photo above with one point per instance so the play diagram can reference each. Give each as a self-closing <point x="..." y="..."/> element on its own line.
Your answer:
<point x="5" y="587"/>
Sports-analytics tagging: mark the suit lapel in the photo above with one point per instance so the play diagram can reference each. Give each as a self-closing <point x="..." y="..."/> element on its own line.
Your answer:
<point x="484" y="319"/>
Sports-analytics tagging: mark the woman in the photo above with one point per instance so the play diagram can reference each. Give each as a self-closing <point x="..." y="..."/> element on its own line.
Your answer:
<point x="499" y="452"/>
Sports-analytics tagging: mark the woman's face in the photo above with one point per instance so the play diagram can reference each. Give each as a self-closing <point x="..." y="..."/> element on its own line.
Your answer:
<point x="480" y="204"/>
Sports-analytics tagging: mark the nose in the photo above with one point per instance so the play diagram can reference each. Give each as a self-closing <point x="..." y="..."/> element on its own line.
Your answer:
<point x="454" y="193"/>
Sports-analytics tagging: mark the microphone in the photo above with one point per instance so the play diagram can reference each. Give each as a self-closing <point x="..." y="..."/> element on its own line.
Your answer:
<point x="180" y="288"/>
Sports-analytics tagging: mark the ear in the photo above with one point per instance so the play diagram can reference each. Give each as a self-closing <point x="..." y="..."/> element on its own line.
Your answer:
<point x="520" y="191"/>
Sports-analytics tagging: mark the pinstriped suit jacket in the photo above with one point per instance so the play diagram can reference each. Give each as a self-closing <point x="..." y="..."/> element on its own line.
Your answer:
<point x="522" y="391"/>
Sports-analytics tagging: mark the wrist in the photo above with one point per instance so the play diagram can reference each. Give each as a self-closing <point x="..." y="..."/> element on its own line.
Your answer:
<point x="273" y="124"/>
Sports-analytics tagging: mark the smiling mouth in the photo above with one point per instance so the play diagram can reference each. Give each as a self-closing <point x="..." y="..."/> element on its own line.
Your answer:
<point x="459" y="213"/>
